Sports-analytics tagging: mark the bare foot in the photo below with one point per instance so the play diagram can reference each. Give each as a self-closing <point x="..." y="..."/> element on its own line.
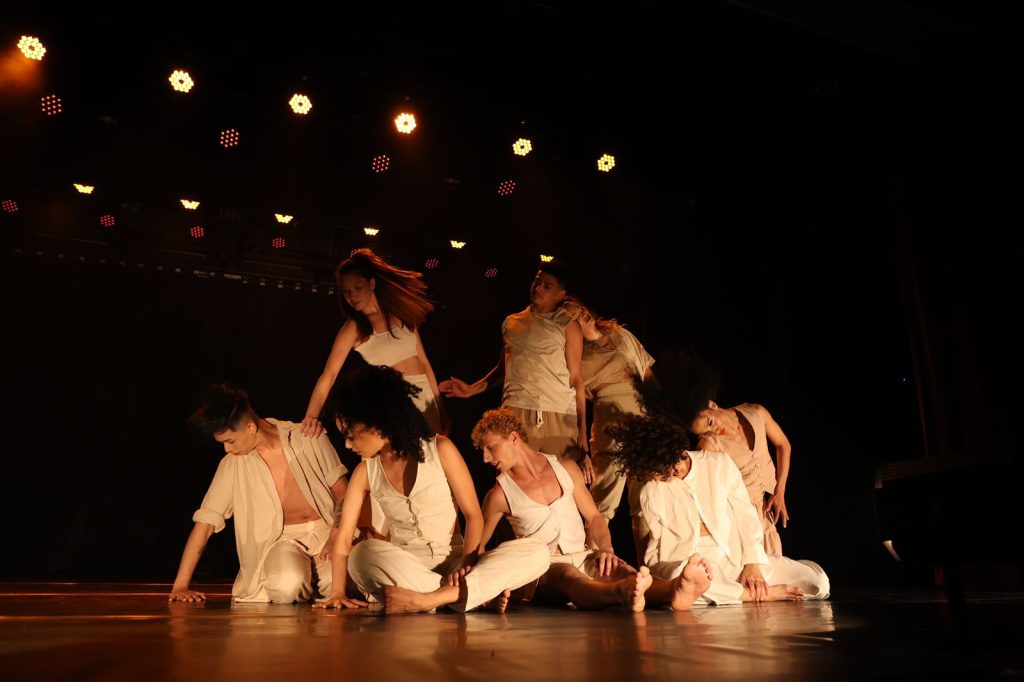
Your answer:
<point x="691" y="583"/>
<point x="784" y="593"/>
<point x="631" y="590"/>
<point x="400" y="600"/>
<point x="499" y="603"/>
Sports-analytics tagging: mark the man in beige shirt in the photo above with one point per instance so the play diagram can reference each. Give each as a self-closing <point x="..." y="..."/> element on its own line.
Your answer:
<point x="284" y="491"/>
<point x="540" y="372"/>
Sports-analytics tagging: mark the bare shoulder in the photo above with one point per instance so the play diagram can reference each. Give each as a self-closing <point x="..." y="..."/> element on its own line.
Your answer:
<point x="495" y="500"/>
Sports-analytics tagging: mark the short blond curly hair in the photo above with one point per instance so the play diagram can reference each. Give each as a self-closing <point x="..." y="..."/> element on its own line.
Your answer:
<point x="502" y="422"/>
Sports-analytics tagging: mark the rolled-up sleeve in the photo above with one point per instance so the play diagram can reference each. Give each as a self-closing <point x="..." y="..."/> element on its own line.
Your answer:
<point x="218" y="505"/>
<point x="328" y="459"/>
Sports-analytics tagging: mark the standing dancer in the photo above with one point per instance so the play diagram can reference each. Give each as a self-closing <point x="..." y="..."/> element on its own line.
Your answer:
<point x="540" y="371"/>
<point x="385" y="308"/>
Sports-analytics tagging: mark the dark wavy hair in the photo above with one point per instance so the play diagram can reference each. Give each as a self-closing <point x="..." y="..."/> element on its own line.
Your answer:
<point x="680" y="386"/>
<point x="401" y="294"/>
<point x="648" y="448"/>
<point x="379" y="398"/>
<point x="223" y="407"/>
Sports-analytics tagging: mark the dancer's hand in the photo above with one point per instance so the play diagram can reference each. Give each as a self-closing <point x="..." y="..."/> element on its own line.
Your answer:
<point x="185" y="595"/>
<point x="775" y="509"/>
<point x="328" y="550"/>
<point x="587" y="467"/>
<point x="457" y="388"/>
<point x="752" y="579"/>
<point x="311" y="427"/>
<point x="607" y="562"/>
<point x="341" y="603"/>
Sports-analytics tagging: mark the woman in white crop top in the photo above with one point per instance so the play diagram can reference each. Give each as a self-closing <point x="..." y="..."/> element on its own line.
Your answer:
<point x="385" y="307"/>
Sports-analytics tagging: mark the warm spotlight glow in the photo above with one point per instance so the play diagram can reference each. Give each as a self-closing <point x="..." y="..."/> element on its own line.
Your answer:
<point x="107" y="220"/>
<point x="381" y="163"/>
<point x="31" y="47"/>
<point x="84" y="189"/>
<point x="281" y="218"/>
<point x="9" y="206"/>
<point x="405" y="123"/>
<point x="457" y="245"/>
<point x="181" y="81"/>
<point x="432" y="263"/>
<point x="372" y="231"/>
<point x="229" y="138"/>
<point x="491" y="272"/>
<point x="51" y="105"/>
<point x="300" y="104"/>
<point x="522" y="147"/>
<point x="189" y="204"/>
<point x="506" y="188"/>
<point x="278" y="242"/>
<point x="606" y="163"/>
<point x="197" y="232"/>
<point x="546" y="259"/>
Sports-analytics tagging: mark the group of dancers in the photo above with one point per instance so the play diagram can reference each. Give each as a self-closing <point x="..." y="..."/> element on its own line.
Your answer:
<point x="704" y="515"/>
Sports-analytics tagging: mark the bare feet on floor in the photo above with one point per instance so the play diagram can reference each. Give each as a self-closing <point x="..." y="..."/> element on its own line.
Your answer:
<point x="498" y="604"/>
<point x="633" y="588"/>
<point x="401" y="600"/>
<point x="691" y="583"/>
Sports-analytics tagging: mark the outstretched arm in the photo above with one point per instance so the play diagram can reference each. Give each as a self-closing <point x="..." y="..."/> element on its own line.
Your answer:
<point x="343" y="343"/>
<point x="457" y="388"/>
<point x="461" y="483"/>
<point x="194" y="547"/>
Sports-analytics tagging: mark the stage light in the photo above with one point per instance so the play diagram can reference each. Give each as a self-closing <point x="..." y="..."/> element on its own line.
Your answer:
<point x="522" y="147"/>
<point x="372" y="231"/>
<point x="197" y="232"/>
<point x="107" y="220"/>
<point x="84" y="189"/>
<point x="300" y="104"/>
<point x="506" y="188"/>
<point x="405" y="123"/>
<point x="278" y="242"/>
<point x="229" y="138"/>
<point x="181" y="81"/>
<point x="379" y="164"/>
<point x="189" y="204"/>
<point x="9" y="206"/>
<point x="491" y="272"/>
<point x="432" y="263"/>
<point x="281" y="218"/>
<point x="31" y="47"/>
<point x="546" y="259"/>
<point x="457" y="245"/>
<point x="606" y="163"/>
<point x="51" y="105"/>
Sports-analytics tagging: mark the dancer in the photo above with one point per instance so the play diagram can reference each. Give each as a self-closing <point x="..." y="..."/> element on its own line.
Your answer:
<point x="283" y="489"/>
<point x="696" y="503"/>
<point x="420" y="481"/>
<point x="545" y="499"/>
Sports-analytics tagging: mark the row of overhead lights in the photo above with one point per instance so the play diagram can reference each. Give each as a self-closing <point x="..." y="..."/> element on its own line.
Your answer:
<point x="198" y="232"/>
<point x="181" y="81"/>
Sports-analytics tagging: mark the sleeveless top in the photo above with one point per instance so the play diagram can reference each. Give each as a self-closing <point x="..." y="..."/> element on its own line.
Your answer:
<point x="536" y="375"/>
<point x="423" y="522"/>
<point x="559" y="524"/>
